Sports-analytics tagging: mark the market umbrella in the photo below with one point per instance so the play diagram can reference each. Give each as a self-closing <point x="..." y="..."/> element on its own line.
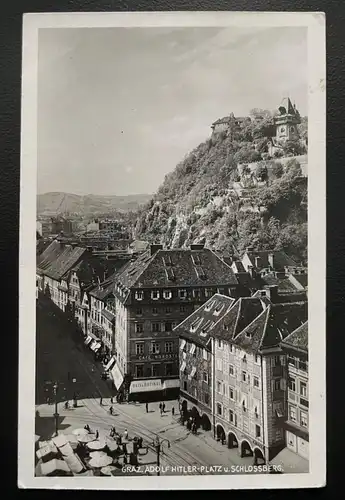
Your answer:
<point x="80" y="432"/>
<point x="97" y="444"/>
<point x="99" y="459"/>
<point x="109" y="470"/>
<point x="87" y="438"/>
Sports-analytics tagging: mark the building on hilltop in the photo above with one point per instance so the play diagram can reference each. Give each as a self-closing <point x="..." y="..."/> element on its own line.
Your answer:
<point x="153" y="294"/>
<point x="229" y="124"/>
<point x="285" y="126"/>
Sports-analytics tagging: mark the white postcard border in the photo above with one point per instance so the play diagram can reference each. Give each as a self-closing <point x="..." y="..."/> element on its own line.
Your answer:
<point x="315" y="22"/>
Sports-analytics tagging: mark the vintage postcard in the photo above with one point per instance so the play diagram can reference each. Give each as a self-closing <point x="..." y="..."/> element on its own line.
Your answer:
<point x="172" y="251"/>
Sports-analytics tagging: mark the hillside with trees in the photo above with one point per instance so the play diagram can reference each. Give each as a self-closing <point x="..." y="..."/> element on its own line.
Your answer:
<point x="197" y="202"/>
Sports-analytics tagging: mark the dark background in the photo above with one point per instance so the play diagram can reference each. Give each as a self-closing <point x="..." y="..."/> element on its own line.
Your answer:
<point x="10" y="90"/>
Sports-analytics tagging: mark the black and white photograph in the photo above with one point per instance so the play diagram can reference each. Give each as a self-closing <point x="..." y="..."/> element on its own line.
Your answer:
<point x="172" y="273"/>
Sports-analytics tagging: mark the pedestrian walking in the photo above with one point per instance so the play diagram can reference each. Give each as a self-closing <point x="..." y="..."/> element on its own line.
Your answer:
<point x="111" y="410"/>
<point x="97" y="434"/>
<point x="101" y="401"/>
<point x="147" y="407"/>
<point x="125" y="434"/>
<point x="163" y="407"/>
<point x="124" y="449"/>
<point x="173" y="411"/>
<point x="160" y="408"/>
<point x="66" y="405"/>
<point x="111" y="400"/>
<point x="48" y="401"/>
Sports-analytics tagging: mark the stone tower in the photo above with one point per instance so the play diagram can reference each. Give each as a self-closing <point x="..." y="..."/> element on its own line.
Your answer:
<point x="286" y="122"/>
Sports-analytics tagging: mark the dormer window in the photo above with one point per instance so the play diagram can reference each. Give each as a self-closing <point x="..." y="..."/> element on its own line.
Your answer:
<point x="195" y="324"/>
<point x="138" y="295"/>
<point x="182" y="294"/>
<point x="155" y="295"/>
<point x="248" y="335"/>
<point x="218" y="309"/>
<point x="167" y="294"/>
<point x="196" y="293"/>
<point x="209" y="306"/>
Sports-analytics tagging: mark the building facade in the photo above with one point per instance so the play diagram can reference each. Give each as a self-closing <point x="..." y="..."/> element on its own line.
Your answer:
<point x="296" y="423"/>
<point x="153" y="295"/>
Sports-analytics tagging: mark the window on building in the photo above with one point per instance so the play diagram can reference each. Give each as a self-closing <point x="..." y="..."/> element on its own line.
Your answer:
<point x="196" y="293"/>
<point x="182" y="294"/>
<point x="232" y="348"/>
<point x="154" y="348"/>
<point x="185" y="386"/>
<point x="139" y="295"/>
<point x="220" y="344"/>
<point x="304" y="419"/>
<point x="219" y="409"/>
<point x="167" y="294"/>
<point x="277" y="384"/>
<point x="256" y="382"/>
<point x="220" y="291"/>
<point x="154" y="311"/>
<point x="244" y="405"/>
<point x="219" y="364"/>
<point x="231" y="393"/>
<point x="182" y="309"/>
<point x="139" y="348"/>
<point x="155" y="295"/>
<point x="278" y="434"/>
<point x="204" y="354"/>
<point x="156" y="327"/>
<point x="276" y="361"/>
<point x="206" y="398"/>
<point x="139" y="328"/>
<point x="219" y="386"/>
<point x="168" y="369"/>
<point x="231" y="416"/>
<point x="155" y="369"/>
<point x="292" y="414"/>
<point x="139" y="311"/>
<point x="169" y="346"/>
<point x="139" y="371"/>
<point x="303" y="365"/>
<point x="232" y="370"/>
<point x="167" y="326"/>
<point x="303" y="389"/>
<point x="257" y="431"/>
<point x="205" y="377"/>
<point x="244" y="376"/>
<point x="168" y="310"/>
<point x="292" y="384"/>
<point x="292" y="361"/>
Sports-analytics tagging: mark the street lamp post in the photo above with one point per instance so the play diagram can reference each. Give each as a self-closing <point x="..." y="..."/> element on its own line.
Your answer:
<point x="158" y="445"/>
<point x="56" y="414"/>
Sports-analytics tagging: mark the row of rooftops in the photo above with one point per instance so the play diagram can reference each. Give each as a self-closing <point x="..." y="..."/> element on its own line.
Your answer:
<point x="249" y="323"/>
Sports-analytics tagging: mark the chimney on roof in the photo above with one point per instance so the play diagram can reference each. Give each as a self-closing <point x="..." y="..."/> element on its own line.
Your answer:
<point x="271" y="260"/>
<point x="199" y="246"/>
<point x="251" y="272"/>
<point x="155" y="248"/>
<point x="273" y="293"/>
<point x="257" y="261"/>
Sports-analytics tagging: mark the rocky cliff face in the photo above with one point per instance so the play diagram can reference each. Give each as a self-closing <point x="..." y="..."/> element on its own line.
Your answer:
<point x="208" y="199"/>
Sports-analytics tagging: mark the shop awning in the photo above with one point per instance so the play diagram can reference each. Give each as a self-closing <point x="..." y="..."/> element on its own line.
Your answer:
<point x="88" y="340"/>
<point x="171" y="383"/>
<point x="183" y="366"/>
<point x="192" y="349"/>
<point x="183" y="343"/>
<point x="146" y="385"/>
<point x="117" y="376"/>
<point x="110" y="364"/>
<point x="95" y="346"/>
<point x="192" y="373"/>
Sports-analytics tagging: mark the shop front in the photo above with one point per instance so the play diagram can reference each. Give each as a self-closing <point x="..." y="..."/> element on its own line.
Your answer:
<point x="146" y="390"/>
<point x="171" y="388"/>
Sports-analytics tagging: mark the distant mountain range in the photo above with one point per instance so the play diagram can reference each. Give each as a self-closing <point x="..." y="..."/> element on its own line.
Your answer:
<point x="62" y="203"/>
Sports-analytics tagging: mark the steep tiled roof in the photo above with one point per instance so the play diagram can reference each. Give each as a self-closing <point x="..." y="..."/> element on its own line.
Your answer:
<point x="243" y="312"/>
<point x="58" y="259"/>
<point x="302" y="279"/>
<point x="103" y="290"/>
<point x="273" y="325"/>
<point x="284" y="284"/>
<point x="178" y="267"/>
<point x="298" y="338"/>
<point x="281" y="260"/>
<point x="92" y="268"/>
<point x="198" y="327"/>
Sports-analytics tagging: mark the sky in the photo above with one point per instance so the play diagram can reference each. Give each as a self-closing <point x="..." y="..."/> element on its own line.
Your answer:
<point x="118" y="108"/>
